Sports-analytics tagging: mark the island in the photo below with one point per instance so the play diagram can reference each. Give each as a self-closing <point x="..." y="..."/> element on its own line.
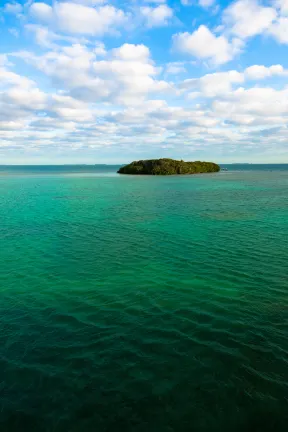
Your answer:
<point x="168" y="167"/>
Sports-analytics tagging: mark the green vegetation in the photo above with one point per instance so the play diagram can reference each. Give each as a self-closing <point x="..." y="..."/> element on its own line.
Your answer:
<point x="168" y="167"/>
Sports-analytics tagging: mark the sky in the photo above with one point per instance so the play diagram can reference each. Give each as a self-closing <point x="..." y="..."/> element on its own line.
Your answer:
<point x="96" y="81"/>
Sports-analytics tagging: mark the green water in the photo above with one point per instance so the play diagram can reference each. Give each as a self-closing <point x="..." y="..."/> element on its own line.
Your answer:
<point x="143" y="303"/>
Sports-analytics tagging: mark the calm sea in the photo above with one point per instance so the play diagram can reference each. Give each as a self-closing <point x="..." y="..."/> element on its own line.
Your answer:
<point x="143" y="303"/>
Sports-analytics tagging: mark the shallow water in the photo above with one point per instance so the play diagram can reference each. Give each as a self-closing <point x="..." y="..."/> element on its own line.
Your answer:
<point x="144" y="303"/>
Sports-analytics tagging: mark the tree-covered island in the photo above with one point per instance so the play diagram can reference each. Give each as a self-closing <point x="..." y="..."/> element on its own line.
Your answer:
<point x="168" y="167"/>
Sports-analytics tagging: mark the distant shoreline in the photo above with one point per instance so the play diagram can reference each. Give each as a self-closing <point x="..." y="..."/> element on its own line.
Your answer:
<point x="121" y="164"/>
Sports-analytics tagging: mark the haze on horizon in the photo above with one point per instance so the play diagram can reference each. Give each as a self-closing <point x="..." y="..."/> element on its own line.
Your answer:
<point x="96" y="81"/>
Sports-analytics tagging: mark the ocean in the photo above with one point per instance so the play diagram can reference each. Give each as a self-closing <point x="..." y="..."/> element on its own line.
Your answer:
<point x="138" y="303"/>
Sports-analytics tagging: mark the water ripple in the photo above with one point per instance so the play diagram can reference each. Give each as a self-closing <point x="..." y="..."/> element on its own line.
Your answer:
<point x="141" y="304"/>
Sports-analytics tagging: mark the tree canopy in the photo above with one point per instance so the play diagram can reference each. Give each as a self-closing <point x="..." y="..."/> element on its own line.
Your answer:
<point x="168" y="167"/>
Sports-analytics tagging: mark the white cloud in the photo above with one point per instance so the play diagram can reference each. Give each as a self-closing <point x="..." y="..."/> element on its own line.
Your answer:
<point x="206" y="3"/>
<point x="282" y="5"/>
<point x="247" y="18"/>
<point x="20" y="99"/>
<point x="3" y="59"/>
<point x="13" y="8"/>
<point x="126" y="76"/>
<point x="222" y="83"/>
<point x="241" y="20"/>
<point x="129" y="81"/>
<point x="14" y="32"/>
<point x="79" y="19"/>
<point x="212" y="85"/>
<point x="156" y="16"/>
<point x="203" y="44"/>
<point x="234" y="116"/>
<point x="42" y="12"/>
<point x="47" y="38"/>
<point x="88" y="2"/>
<point x="175" y="68"/>
<point x="203" y="3"/>
<point x="279" y="30"/>
<point x="256" y="101"/>
<point x="9" y="78"/>
<point x="163" y="117"/>
<point x="30" y="99"/>
<point x="100" y="97"/>
<point x="99" y="50"/>
<point x="132" y="52"/>
<point x="68" y="108"/>
<point x="11" y="125"/>
<point x="260" y="72"/>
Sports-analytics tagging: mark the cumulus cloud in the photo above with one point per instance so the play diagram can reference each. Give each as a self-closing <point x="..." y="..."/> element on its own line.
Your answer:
<point x="282" y="5"/>
<point x="87" y="95"/>
<point x="76" y="18"/>
<point x="88" y="2"/>
<point x="206" y="3"/>
<point x="76" y="117"/>
<point x="3" y="59"/>
<point x="264" y="102"/>
<point x="222" y="83"/>
<point x="257" y="72"/>
<point x="211" y="85"/>
<point x="240" y="21"/>
<point x="42" y="12"/>
<point x="9" y="78"/>
<point x="29" y="99"/>
<point x="20" y="99"/>
<point x="14" y="8"/>
<point x="14" y="32"/>
<point x="68" y="108"/>
<point x="203" y="44"/>
<point x="156" y="16"/>
<point x="127" y="51"/>
<point x="203" y="3"/>
<point x="127" y="75"/>
<point x="47" y="38"/>
<point x="155" y="1"/>
<point x="279" y="30"/>
<point x="175" y="68"/>
<point x="247" y="18"/>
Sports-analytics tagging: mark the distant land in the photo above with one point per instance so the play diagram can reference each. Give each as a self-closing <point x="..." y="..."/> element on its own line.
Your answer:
<point x="168" y="167"/>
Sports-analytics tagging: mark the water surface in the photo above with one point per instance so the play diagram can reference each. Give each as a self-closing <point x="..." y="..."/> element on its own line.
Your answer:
<point x="143" y="303"/>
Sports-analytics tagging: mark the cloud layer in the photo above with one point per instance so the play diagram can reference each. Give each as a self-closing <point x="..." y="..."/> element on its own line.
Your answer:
<point x="95" y="79"/>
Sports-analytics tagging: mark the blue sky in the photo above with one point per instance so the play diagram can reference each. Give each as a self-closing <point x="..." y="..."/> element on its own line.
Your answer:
<point x="95" y="81"/>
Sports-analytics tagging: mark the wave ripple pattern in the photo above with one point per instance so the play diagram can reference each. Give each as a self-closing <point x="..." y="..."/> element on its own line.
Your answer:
<point x="144" y="304"/>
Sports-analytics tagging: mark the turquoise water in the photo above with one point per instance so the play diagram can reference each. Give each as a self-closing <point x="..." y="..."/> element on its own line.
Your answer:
<point x="143" y="303"/>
